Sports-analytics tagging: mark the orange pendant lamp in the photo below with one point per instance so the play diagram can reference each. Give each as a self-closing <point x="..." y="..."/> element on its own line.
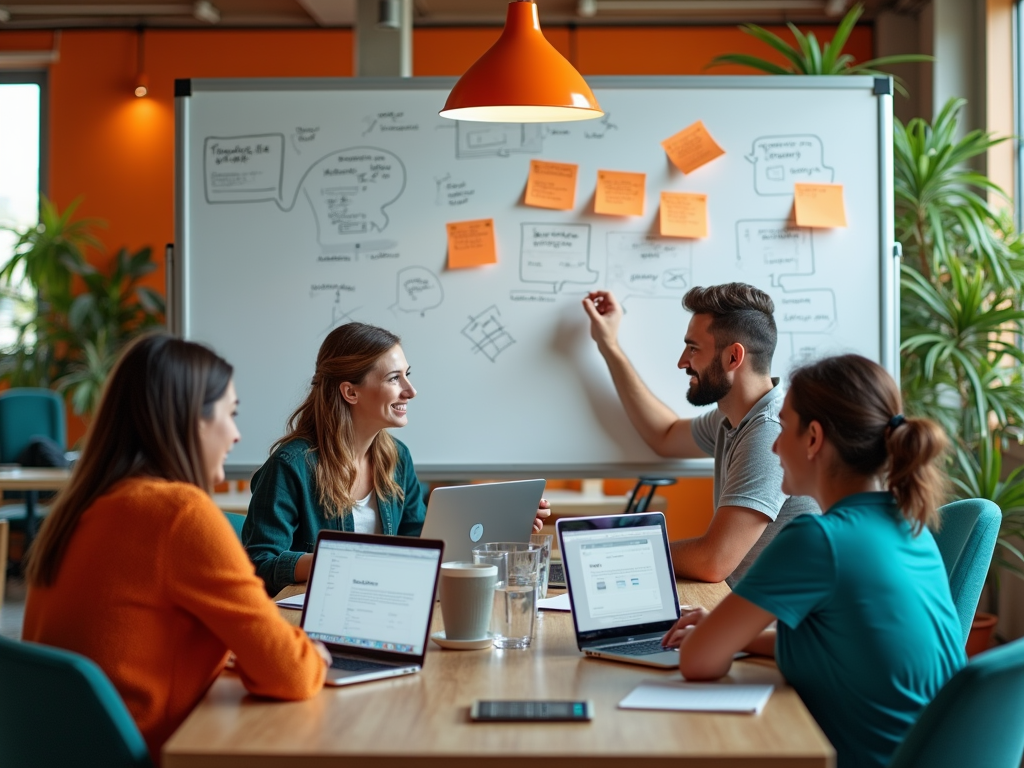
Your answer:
<point x="521" y="79"/>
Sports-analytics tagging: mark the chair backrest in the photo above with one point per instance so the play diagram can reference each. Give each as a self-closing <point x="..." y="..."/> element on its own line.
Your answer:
<point x="57" y="708"/>
<point x="236" y="521"/>
<point x="976" y="719"/>
<point x="27" y="412"/>
<point x="966" y="540"/>
<point x="638" y="499"/>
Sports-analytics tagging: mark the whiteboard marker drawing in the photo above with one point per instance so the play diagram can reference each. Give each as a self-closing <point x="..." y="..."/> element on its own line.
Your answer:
<point x="603" y="127"/>
<point x="645" y="266"/>
<point x="497" y="139"/>
<point x="782" y="161"/>
<point x="554" y="254"/>
<point x="488" y="335"/>
<point x="418" y="290"/>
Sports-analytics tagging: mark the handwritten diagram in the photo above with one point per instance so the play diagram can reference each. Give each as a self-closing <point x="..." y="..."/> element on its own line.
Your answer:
<point x="497" y="139"/>
<point x="348" y="189"/>
<point x="552" y="254"/>
<point x="645" y="266"/>
<point x="776" y="257"/>
<point x="418" y="290"/>
<point x="781" y="161"/>
<point x="487" y="333"/>
<point x="339" y="314"/>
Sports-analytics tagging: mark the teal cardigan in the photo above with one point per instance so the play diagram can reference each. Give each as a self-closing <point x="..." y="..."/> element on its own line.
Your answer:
<point x="285" y="514"/>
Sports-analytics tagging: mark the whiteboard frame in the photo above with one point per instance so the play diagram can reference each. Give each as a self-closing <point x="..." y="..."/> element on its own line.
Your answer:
<point x="178" y="317"/>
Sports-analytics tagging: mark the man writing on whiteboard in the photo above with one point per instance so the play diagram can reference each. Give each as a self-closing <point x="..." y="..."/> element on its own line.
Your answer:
<point x="728" y="352"/>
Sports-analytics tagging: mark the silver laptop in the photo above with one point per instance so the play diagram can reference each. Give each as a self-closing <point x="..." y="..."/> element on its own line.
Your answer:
<point x="370" y="600"/>
<point x="465" y="516"/>
<point x="622" y="587"/>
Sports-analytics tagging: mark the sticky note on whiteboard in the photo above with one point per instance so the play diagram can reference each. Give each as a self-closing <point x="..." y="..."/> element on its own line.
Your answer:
<point x="551" y="185"/>
<point x="620" y="193"/>
<point x="819" y="205"/>
<point x="684" y="214"/>
<point x="691" y="148"/>
<point x="471" y="243"/>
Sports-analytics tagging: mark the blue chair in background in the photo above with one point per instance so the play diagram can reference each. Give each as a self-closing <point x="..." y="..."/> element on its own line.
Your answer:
<point x="967" y="539"/>
<point x="57" y="708"/>
<point x="27" y="412"/>
<point x="977" y="719"/>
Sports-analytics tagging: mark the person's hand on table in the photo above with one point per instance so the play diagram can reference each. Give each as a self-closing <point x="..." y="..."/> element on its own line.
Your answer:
<point x="543" y="512"/>
<point x="690" y="616"/>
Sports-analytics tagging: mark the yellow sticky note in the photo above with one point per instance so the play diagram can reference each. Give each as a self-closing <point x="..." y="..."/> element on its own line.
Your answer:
<point x="684" y="214"/>
<point x="620" y="193"/>
<point x="691" y="148"/>
<point x="471" y="243"/>
<point x="819" y="205"/>
<point x="552" y="185"/>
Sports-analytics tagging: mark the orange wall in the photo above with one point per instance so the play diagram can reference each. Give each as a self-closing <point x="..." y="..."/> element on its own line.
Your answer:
<point x="117" y="151"/>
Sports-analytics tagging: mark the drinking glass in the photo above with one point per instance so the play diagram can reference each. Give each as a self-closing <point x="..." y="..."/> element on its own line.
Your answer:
<point x="515" y="593"/>
<point x="543" y="540"/>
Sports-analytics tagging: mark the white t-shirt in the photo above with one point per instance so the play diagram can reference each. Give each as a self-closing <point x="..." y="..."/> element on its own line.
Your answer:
<point x="365" y="516"/>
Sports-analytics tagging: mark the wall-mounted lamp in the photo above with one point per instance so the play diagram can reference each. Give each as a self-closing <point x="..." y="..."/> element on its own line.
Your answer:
<point x="141" y="81"/>
<point x="521" y="79"/>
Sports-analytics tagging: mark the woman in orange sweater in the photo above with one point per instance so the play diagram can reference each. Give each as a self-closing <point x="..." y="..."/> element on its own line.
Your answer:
<point x="136" y="568"/>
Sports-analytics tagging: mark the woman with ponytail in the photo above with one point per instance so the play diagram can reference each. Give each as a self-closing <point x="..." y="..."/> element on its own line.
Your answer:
<point x="338" y="467"/>
<point x="866" y="628"/>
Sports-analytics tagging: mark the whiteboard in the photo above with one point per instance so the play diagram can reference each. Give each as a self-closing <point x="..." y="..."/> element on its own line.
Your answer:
<point x="303" y="204"/>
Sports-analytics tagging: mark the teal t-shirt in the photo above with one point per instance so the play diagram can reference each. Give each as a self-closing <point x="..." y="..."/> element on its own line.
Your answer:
<point x="867" y="629"/>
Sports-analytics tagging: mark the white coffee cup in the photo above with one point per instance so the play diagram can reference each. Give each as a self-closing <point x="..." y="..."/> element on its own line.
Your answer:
<point x="467" y="597"/>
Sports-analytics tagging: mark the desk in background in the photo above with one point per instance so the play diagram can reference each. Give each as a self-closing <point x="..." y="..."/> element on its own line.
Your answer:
<point x="422" y="720"/>
<point x="32" y="480"/>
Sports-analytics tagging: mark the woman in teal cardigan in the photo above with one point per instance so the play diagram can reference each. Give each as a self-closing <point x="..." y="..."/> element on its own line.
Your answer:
<point x="338" y="467"/>
<point x="867" y="630"/>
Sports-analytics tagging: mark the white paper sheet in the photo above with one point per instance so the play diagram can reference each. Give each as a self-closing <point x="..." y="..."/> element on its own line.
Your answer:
<point x="698" y="697"/>
<point x="559" y="603"/>
<point x="295" y="601"/>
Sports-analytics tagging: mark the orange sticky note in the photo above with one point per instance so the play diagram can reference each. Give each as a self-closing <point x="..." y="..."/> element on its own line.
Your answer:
<point x="551" y="185"/>
<point x="471" y="243"/>
<point x="620" y="193"/>
<point x="691" y="148"/>
<point x="684" y="214"/>
<point x="819" y="205"/>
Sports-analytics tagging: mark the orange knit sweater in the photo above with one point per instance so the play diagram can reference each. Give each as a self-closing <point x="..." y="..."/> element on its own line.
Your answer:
<point x="156" y="588"/>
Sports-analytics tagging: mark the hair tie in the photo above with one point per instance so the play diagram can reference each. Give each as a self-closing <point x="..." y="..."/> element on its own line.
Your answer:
<point x="896" y="420"/>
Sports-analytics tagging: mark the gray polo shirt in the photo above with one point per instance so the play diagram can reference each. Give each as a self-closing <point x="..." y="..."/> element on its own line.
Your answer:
<point x="747" y="473"/>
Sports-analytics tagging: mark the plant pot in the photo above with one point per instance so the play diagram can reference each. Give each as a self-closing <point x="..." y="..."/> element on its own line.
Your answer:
<point x="980" y="637"/>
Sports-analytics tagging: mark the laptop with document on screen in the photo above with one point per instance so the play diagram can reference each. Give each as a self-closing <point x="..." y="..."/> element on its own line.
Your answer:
<point x="622" y="587"/>
<point x="369" y="600"/>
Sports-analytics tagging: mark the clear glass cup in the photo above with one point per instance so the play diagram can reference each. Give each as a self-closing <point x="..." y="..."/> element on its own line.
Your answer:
<point x="515" y="593"/>
<point x="544" y="541"/>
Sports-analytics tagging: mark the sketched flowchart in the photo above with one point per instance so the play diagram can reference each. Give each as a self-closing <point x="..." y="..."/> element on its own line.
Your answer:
<point x="551" y="255"/>
<point x="349" y="189"/>
<point x="773" y="253"/>
<point x="644" y="266"/>
<point x="782" y="161"/>
<point x="418" y="290"/>
<point x="338" y="292"/>
<point x="487" y="333"/>
<point x="497" y="139"/>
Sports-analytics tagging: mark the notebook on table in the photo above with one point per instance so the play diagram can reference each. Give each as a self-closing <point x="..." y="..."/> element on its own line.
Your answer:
<point x="466" y="516"/>
<point x="621" y="585"/>
<point x="370" y="600"/>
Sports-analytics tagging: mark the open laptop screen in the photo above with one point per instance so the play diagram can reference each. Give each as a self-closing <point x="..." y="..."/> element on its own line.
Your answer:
<point x="619" y="577"/>
<point x="373" y="596"/>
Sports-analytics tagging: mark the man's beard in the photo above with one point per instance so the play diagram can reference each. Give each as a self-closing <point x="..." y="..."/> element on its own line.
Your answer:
<point x="711" y="386"/>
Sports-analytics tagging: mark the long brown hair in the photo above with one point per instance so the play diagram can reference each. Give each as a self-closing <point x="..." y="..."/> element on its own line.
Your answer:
<point x="324" y="419"/>
<point x="147" y="424"/>
<point x="858" y="406"/>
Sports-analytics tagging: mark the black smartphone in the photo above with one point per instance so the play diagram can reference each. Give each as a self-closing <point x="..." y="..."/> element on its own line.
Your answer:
<point x="560" y="711"/>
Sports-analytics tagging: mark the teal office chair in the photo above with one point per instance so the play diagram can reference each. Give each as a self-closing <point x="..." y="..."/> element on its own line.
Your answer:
<point x="967" y="539"/>
<point x="58" y="709"/>
<point x="644" y="491"/>
<point x="236" y="521"/>
<point x="976" y="719"/>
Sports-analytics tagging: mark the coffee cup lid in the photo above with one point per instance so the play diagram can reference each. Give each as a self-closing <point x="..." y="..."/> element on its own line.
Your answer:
<point x="468" y="570"/>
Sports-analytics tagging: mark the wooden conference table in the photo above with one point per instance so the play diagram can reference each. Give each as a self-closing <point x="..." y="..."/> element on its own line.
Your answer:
<point x="32" y="480"/>
<point x="423" y="720"/>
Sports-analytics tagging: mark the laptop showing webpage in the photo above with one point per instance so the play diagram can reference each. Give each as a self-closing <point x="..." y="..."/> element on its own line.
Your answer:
<point x="622" y="587"/>
<point x="370" y="600"/>
<point x="466" y="516"/>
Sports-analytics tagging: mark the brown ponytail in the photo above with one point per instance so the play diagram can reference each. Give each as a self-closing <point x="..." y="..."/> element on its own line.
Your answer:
<point x="858" y="406"/>
<point x="324" y="420"/>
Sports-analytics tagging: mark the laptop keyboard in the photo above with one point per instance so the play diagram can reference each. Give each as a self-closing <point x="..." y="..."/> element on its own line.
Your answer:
<point x="645" y="648"/>
<point x="356" y="665"/>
